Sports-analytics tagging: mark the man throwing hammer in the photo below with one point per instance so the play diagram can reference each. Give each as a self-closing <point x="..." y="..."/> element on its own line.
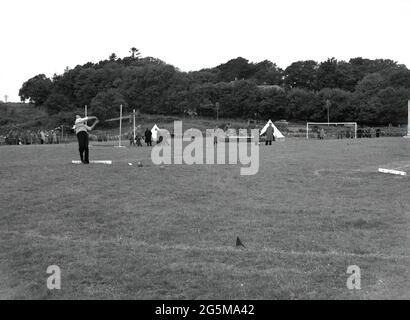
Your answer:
<point x="81" y="130"/>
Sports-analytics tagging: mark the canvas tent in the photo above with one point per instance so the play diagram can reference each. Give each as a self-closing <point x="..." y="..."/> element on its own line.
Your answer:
<point x="155" y="132"/>
<point x="276" y="132"/>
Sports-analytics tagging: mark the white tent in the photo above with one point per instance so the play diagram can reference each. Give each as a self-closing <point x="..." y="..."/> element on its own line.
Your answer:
<point x="276" y="132"/>
<point x="155" y="132"/>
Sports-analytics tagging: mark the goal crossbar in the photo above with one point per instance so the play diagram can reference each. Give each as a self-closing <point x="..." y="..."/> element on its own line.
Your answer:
<point x="331" y="123"/>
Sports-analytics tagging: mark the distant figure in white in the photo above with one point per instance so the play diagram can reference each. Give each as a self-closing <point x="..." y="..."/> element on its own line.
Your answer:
<point x="81" y="130"/>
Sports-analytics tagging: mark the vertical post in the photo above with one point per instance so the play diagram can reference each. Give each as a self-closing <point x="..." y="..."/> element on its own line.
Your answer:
<point x="408" y="119"/>
<point x="355" y="130"/>
<point x="119" y="140"/>
<point x="62" y="133"/>
<point x="307" y="130"/>
<point x="85" y="113"/>
<point x="134" y="123"/>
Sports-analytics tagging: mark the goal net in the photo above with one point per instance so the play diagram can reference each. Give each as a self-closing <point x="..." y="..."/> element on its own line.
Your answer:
<point x="331" y="130"/>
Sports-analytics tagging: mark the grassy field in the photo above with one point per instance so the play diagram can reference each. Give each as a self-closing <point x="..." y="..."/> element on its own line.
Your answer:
<point x="169" y="232"/>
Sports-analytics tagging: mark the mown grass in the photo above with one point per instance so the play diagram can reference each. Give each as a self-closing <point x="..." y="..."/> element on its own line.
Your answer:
<point x="162" y="232"/>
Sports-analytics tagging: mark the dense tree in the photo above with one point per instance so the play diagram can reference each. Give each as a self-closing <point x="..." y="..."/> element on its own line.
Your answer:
<point x="273" y="104"/>
<point x="56" y="103"/>
<point x="305" y="105"/>
<point x="340" y="108"/>
<point x="327" y="74"/>
<point x="36" y="89"/>
<point x="363" y="90"/>
<point x="391" y="108"/>
<point x="106" y="104"/>
<point x="301" y="74"/>
<point x="365" y="98"/>
<point x="204" y="76"/>
<point x="400" y="79"/>
<point x="267" y="72"/>
<point x="238" y="68"/>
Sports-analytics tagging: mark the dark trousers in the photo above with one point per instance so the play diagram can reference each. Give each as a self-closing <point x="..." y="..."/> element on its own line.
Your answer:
<point x="268" y="142"/>
<point x="82" y="138"/>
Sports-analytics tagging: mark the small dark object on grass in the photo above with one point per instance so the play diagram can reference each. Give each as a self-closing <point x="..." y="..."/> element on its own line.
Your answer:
<point x="239" y="242"/>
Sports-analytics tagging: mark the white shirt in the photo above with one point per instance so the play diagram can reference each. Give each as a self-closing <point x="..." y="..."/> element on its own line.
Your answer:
<point x="81" y="126"/>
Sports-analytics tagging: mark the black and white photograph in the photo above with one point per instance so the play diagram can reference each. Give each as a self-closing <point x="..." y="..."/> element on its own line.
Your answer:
<point x="231" y="151"/>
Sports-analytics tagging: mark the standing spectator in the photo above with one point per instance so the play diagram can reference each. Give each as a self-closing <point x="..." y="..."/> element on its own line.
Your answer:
<point x="372" y="132"/>
<point x="55" y="137"/>
<point x="359" y="133"/>
<point x="148" y="137"/>
<point x="322" y="134"/>
<point x="33" y="137"/>
<point x="269" y="134"/>
<point x="138" y="136"/>
<point x="42" y="137"/>
<point x="131" y="138"/>
<point x="216" y="135"/>
<point x="339" y="133"/>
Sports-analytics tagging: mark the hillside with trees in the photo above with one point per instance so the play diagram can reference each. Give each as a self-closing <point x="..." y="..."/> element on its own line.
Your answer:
<point x="371" y="92"/>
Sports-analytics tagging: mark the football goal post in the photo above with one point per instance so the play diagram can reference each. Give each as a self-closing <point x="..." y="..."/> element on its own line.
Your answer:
<point x="121" y="133"/>
<point x="336" y="130"/>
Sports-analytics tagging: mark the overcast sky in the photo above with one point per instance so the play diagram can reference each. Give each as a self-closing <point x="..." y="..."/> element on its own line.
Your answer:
<point x="45" y="36"/>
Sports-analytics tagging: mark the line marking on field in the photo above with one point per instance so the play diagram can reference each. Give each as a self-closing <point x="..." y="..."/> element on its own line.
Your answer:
<point x="136" y="243"/>
<point x="391" y="171"/>
<point x="93" y="162"/>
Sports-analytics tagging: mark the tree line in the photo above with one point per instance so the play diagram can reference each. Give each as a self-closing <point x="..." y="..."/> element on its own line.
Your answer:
<point x="371" y="92"/>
